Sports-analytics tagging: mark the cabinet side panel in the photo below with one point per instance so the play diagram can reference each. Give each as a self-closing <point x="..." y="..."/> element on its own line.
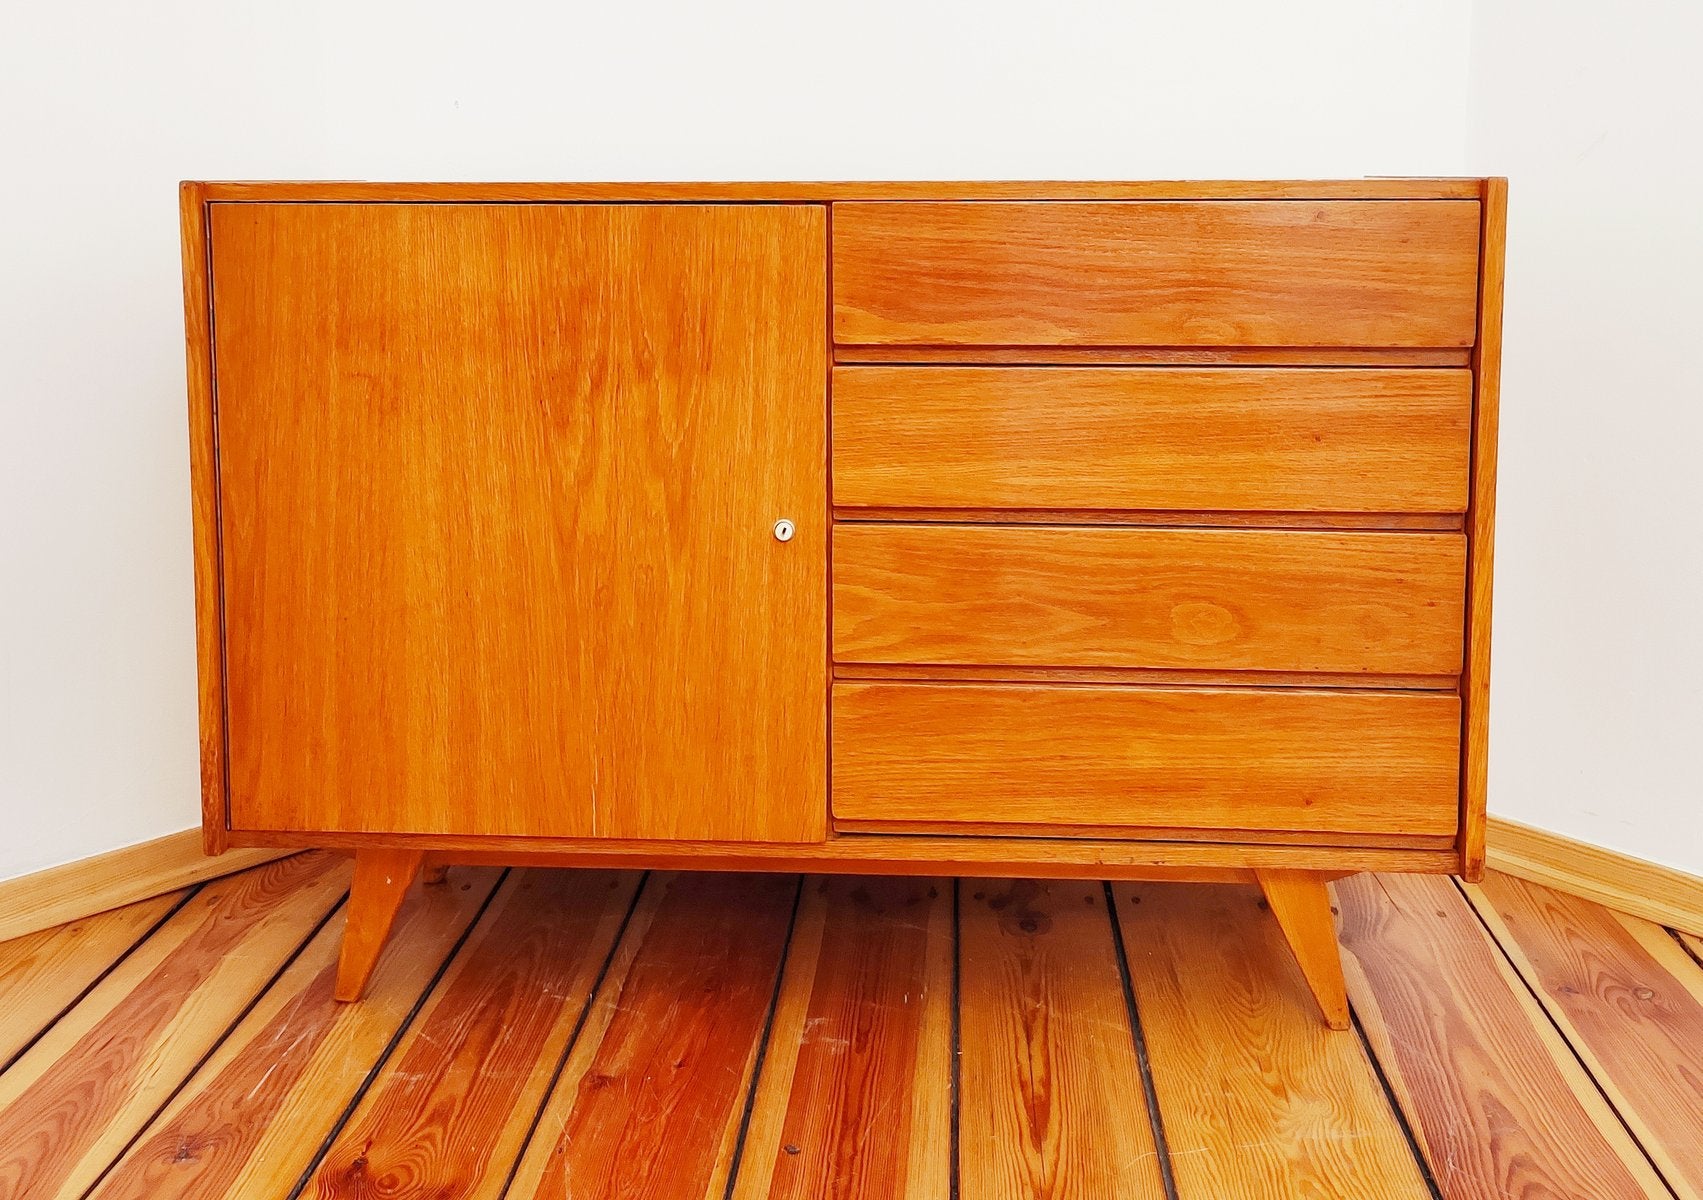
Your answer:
<point x="204" y="493"/>
<point x="1481" y="530"/>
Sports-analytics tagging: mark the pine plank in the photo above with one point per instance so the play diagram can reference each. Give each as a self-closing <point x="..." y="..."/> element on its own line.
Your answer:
<point x="1607" y="877"/>
<point x="79" y="1095"/>
<point x="1259" y="1098"/>
<point x="251" y="1120"/>
<point x="1630" y="1001"/>
<point x="450" y="1111"/>
<point x="855" y="1095"/>
<point x="1497" y="1101"/>
<point x="1052" y="1097"/>
<point x="651" y="1099"/>
<point x="42" y="973"/>
<point x="118" y="878"/>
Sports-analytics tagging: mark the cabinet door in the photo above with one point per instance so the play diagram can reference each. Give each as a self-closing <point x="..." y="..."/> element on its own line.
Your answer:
<point x="497" y="495"/>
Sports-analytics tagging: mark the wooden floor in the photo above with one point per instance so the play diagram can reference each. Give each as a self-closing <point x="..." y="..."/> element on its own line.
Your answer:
<point x="592" y="1034"/>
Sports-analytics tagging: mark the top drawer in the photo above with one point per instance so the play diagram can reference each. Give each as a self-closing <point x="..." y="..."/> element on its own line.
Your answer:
<point x="1255" y="273"/>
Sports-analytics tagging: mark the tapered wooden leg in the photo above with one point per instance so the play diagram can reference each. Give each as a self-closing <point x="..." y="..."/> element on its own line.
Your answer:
<point x="1301" y="904"/>
<point x="382" y="879"/>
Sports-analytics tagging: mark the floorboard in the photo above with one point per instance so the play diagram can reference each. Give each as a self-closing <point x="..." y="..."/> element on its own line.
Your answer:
<point x="42" y="974"/>
<point x="855" y="1095"/>
<point x="612" y="1036"/>
<point x="1052" y="1094"/>
<point x="1629" y="999"/>
<point x="450" y="1111"/>
<point x="1497" y="1099"/>
<point x="1259" y="1099"/>
<point x="653" y="1096"/>
<point x="298" y="1052"/>
<point x="71" y="1104"/>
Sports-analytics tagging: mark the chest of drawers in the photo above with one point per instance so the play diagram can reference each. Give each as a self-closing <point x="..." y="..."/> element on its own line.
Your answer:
<point x="1117" y="530"/>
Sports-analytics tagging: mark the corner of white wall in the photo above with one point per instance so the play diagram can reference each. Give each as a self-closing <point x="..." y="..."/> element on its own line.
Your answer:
<point x="1592" y="111"/>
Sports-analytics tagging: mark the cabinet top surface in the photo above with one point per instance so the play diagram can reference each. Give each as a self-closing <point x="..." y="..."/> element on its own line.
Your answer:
<point x="825" y="192"/>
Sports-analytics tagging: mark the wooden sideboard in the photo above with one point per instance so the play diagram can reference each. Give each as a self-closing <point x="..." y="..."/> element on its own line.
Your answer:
<point x="1135" y="530"/>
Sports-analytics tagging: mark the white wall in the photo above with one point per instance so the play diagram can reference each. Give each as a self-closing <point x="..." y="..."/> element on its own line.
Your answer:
<point x="106" y="105"/>
<point x="1595" y="112"/>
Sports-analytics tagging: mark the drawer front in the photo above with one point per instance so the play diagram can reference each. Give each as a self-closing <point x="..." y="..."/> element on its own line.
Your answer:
<point x="1297" y="273"/>
<point x="1154" y="438"/>
<point x="1228" y="600"/>
<point x="1287" y="760"/>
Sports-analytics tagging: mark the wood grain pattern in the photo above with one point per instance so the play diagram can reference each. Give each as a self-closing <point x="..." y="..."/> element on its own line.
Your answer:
<point x="497" y="489"/>
<point x="1238" y="600"/>
<point x="1628" y="998"/>
<point x="381" y="882"/>
<point x="204" y="509"/>
<point x="1481" y="518"/>
<point x="95" y="1079"/>
<point x="1498" y="1103"/>
<point x="43" y="972"/>
<point x="1607" y="877"/>
<point x="1046" y="1043"/>
<point x="66" y="893"/>
<point x="1259" y="1099"/>
<point x="1058" y="857"/>
<point x="1301" y="904"/>
<point x="651" y="1098"/>
<point x="788" y="191"/>
<point x="855" y="1094"/>
<point x="498" y="462"/>
<point x="1162" y="438"/>
<point x="1157" y="273"/>
<point x="1368" y="762"/>
<point x="254" y="1117"/>
<point x="450" y="1112"/>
